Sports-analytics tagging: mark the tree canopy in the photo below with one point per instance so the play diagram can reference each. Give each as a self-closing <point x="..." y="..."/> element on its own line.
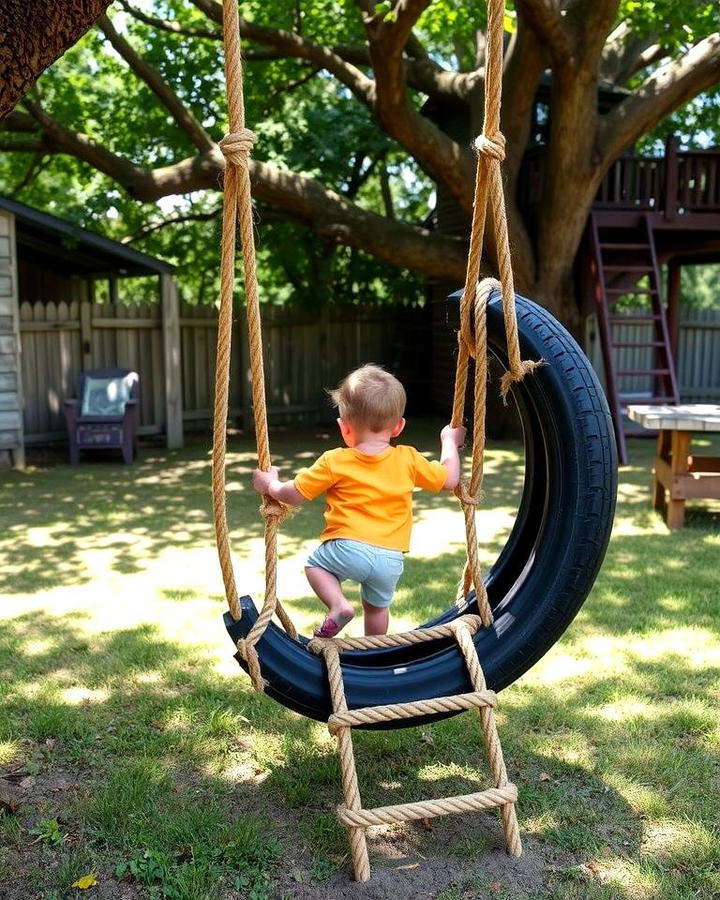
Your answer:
<point x="361" y="110"/>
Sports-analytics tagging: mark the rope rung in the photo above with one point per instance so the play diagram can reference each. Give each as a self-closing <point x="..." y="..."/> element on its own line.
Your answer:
<point x="367" y="715"/>
<point x="404" y="638"/>
<point x="425" y="809"/>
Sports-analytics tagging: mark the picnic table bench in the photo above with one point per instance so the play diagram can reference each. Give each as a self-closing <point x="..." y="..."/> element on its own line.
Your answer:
<point x="682" y="475"/>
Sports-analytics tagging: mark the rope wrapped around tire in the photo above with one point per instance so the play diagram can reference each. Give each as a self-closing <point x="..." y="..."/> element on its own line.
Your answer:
<point x="544" y="572"/>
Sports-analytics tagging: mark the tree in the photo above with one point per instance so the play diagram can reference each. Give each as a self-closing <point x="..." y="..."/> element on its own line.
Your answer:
<point x="337" y="92"/>
<point x="34" y="34"/>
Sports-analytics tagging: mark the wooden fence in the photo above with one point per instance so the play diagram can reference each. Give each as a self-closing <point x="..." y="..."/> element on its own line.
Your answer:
<point x="304" y="353"/>
<point x="698" y="356"/>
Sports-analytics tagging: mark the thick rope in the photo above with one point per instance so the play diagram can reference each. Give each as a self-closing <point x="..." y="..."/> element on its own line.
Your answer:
<point x="351" y="791"/>
<point x="424" y="809"/>
<point x="237" y="211"/>
<point x="492" y="741"/>
<point x="369" y="715"/>
<point x="472" y="336"/>
<point x="403" y="638"/>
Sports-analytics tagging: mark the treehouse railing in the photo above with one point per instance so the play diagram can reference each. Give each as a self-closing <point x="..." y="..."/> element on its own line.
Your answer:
<point x="674" y="185"/>
<point x="633" y="182"/>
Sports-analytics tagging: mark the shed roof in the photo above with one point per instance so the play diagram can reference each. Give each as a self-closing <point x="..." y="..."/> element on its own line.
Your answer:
<point x="76" y="249"/>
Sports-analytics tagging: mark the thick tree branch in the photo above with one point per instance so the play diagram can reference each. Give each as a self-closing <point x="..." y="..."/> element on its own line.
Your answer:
<point x="19" y="121"/>
<point x="625" y="54"/>
<point x="294" y="45"/>
<point x="337" y="219"/>
<point x="152" y="78"/>
<point x="438" y="154"/>
<point x="661" y="94"/>
<point x="396" y="31"/>
<point x="545" y="19"/>
<point x="589" y="22"/>
<point x="298" y="197"/>
<point x="386" y="95"/>
<point x="170" y="25"/>
<point x="23" y="147"/>
<point x="524" y="65"/>
<point x="650" y="55"/>
<point x="56" y="138"/>
<point x="345" y="61"/>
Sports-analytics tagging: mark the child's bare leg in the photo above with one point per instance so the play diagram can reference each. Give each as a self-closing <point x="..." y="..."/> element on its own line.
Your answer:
<point x="329" y="590"/>
<point x="377" y="618"/>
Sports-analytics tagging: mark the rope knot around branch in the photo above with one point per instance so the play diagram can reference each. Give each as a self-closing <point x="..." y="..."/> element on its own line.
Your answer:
<point x="237" y="147"/>
<point x="491" y="145"/>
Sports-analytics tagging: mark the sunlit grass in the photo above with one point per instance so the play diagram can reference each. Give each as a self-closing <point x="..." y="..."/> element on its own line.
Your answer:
<point x="116" y="674"/>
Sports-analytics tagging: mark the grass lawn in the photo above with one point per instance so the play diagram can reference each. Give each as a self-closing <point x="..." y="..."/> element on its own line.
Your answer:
<point x="140" y="756"/>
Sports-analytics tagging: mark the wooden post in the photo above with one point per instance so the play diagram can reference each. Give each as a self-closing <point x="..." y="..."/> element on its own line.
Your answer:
<point x="673" y="308"/>
<point x="171" y="350"/>
<point x="671" y="179"/>
<point x="679" y="449"/>
<point x="86" y="339"/>
<point x="662" y="454"/>
<point x="10" y="347"/>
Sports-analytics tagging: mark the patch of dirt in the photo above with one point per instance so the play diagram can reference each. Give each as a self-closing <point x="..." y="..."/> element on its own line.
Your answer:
<point x="408" y="862"/>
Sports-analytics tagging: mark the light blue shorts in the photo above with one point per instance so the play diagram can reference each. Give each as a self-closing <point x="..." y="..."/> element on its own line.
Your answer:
<point x="375" y="569"/>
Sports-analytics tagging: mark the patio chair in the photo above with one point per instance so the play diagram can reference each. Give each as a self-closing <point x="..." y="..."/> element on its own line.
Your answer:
<point x="104" y="415"/>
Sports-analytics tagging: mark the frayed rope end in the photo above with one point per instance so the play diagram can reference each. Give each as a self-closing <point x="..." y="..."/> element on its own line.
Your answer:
<point x="527" y="366"/>
<point x="271" y="508"/>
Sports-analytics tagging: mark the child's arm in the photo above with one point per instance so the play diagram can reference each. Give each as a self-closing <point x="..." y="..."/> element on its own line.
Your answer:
<point x="451" y="439"/>
<point x="269" y="483"/>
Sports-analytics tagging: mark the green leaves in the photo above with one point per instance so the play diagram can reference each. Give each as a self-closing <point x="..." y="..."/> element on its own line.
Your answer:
<point x="677" y="24"/>
<point x="243" y="862"/>
<point x="306" y="120"/>
<point x="49" y="832"/>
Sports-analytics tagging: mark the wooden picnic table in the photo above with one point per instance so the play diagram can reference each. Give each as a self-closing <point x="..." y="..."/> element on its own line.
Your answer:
<point x="679" y="473"/>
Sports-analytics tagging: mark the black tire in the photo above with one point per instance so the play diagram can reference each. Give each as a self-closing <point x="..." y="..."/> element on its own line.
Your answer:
<point x="544" y="572"/>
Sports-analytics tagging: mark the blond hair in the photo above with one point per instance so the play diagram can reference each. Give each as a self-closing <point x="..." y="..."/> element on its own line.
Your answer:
<point x="370" y="398"/>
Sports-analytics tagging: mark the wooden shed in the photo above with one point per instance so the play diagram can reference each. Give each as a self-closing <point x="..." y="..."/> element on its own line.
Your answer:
<point x="53" y="324"/>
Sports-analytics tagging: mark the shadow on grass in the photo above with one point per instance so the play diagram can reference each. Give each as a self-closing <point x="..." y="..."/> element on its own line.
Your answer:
<point x="189" y="753"/>
<point x="163" y="753"/>
<point x="53" y="518"/>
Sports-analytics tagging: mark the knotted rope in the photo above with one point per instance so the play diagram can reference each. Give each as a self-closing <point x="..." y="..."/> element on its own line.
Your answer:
<point x="237" y="208"/>
<point x="472" y="336"/>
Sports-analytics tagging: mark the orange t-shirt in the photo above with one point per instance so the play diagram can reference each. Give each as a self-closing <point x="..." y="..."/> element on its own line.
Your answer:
<point x="369" y="496"/>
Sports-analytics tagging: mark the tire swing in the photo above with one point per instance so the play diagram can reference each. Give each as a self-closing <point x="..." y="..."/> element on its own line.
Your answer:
<point x="542" y="576"/>
<point x="557" y="544"/>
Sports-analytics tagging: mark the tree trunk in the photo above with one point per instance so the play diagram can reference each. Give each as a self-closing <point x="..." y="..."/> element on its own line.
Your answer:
<point x="33" y="34"/>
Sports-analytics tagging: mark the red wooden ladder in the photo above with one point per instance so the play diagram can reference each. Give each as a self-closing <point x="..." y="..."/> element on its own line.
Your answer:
<point x="625" y="265"/>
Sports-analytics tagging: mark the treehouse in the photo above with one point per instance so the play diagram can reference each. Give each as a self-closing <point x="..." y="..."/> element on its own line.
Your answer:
<point x="649" y="213"/>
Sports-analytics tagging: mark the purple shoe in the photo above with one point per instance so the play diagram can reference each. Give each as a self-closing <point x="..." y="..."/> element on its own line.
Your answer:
<point x="330" y="628"/>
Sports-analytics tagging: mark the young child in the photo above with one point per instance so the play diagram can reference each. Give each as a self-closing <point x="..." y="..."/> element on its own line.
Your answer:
<point x="368" y="486"/>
